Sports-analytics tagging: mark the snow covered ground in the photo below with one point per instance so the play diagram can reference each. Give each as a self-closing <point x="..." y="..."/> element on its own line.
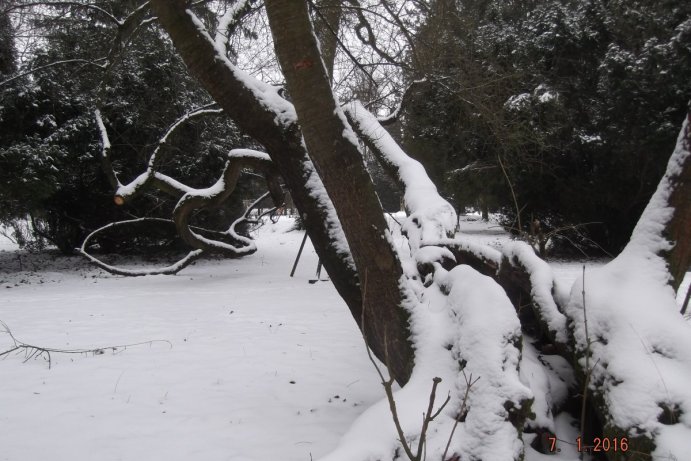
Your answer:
<point x="245" y="362"/>
<point x="254" y="365"/>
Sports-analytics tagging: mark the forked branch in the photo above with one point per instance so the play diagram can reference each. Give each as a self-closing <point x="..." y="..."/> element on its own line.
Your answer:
<point x="189" y="199"/>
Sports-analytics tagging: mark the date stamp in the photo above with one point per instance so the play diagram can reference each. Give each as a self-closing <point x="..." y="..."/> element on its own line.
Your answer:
<point x="597" y="445"/>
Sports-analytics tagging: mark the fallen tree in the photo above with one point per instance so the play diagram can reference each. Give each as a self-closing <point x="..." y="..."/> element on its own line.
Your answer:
<point x="444" y="310"/>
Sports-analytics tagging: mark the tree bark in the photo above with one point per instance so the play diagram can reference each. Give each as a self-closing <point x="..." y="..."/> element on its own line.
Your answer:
<point x="679" y="227"/>
<point x="327" y="25"/>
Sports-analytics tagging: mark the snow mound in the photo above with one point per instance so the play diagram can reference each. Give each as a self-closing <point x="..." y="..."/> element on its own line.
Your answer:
<point x="640" y="345"/>
<point x="487" y="347"/>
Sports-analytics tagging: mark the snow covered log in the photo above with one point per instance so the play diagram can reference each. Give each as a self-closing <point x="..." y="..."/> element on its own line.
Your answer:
<point x="525" y="277"/>
<point x="528" y="280"/>
<point x="430" y="217"/>
<point x="487" y="345"/>
<point x="629" y="337"/>
<point x="465" y="332"/>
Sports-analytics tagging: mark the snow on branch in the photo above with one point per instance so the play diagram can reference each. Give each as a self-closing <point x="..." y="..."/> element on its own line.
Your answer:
<point x="89" y="62"/>
<point x="189" y="199"/>
<point x="468" y="340"/>
<point x="630" y="337"/>
<point x="520" y="260"/>
<point x="267" y="95"/>
<point x="488" y="346"/>
<point x="337" y="237"/>
<point x="105" y="140"/>
<point x="126" y="192"/>
<point x="430" y="217"/>
<point x="217" y="194"/>
<point x="396" y="113"/>
<point x="168" y="270"/>
<point x="228" y="21"/>
<point x="106" y="164"/>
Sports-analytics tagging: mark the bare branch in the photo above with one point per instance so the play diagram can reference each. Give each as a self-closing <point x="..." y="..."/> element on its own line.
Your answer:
<point x="371" y="40"/>
<point x="345" y="49"/>
<point x="53" y="64"/>
<point x="228" y="22"/>
<point x="106" y="164"/>
<point x="32" y="351"/>
<point x="393" y="116"/>
<point x="461" y="414"/>
<point x="168" y="270"/>
<point x="62" y="4"/>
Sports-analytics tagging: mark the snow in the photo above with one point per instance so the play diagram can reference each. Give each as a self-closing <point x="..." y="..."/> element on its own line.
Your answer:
<point x="477" y="325"/>
<point x="589" y="138"/>
<point x="316" y="188"/>
<point x="202" y="111"/>
<point x="170" y="269"/>
<point x="488" y="331"/>
<point x="518" y="102"/>
<point x="249" y="153"/>
<point x="240" y="331"/>
<point x="647" y="237"/>
<point x="542" y="286"/>
<point x="640" y="346"/>
<point x="224" y="22"/>
<point x="431" y="218"/>
<point x="267" y="95"/>
<point x="546" y="377"/>
<point x="127" y="190"/>
<point x="102" y="130"/>
<point x="174" y="183"/>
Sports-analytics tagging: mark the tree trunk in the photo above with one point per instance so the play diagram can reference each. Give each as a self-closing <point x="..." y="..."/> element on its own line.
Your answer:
<point x="679" y="227"/>
<point x="386" y="327"/>
<point x="327" y="24"/>
<point x="282" y="142"/>
<point x="333" y="147"/>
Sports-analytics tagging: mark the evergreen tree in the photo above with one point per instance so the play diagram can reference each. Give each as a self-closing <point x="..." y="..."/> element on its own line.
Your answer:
<point x="49" y="143"/>
<point x="579" y="101"/>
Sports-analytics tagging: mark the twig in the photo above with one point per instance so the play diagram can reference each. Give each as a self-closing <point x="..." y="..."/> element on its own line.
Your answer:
<point x="513" y="194"/>
<point x="341" y="44"/>
<point x="428" y="416"/>
<point x="588" y="370"/>
<point x="686" y="301"/>
<point x="468" y="384"/>
<point x="31" y="351"/>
